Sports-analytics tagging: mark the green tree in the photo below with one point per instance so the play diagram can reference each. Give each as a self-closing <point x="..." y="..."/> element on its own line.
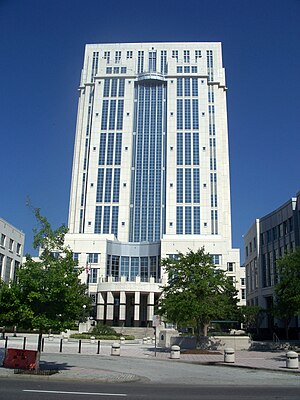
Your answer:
<point x="47" y="293"/>
<point x="197" y="292"/>
<point x="287" y="290"/>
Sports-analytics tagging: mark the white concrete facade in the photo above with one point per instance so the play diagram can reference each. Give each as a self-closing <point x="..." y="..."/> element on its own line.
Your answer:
<point x="11" y="250"/>
<point x="150" y="170"/>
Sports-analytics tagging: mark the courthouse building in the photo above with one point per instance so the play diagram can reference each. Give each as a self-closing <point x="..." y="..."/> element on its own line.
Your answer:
<point x="150" y="171"/>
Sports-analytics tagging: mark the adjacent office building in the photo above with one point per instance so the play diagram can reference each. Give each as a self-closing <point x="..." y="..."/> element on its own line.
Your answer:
<point x="150" y="171"/>
<point x="269" y="238"/>
<point x="11" y="250"/>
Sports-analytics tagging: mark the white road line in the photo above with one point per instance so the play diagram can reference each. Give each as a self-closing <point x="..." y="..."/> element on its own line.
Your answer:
<point x="82" y="393"/>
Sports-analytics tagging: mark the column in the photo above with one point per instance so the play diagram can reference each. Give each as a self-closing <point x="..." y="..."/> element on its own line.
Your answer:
<point x="150" y="307"/>
<point x="122" y="313"/>
<point x="100" y="307"/>
<point x="109" y="308"/>
<point x="137" y="297"/>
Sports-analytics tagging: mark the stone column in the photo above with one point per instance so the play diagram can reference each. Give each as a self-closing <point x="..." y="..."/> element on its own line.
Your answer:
<point x="100" y="307"/>
<point x="137" y="297"/>
<point x="122" y="313"/>
<point x="150" y="307"/>
<point x="109" y="308"/>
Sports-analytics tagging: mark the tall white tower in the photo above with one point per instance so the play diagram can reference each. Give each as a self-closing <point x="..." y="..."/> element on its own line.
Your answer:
<point x="150" y="171"/>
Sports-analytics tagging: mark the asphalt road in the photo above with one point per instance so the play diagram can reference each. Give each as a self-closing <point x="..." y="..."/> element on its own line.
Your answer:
<point x="42" y="389"/>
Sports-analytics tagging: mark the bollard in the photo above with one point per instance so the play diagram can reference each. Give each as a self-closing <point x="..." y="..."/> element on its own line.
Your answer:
<point x="92" y="339"/>
<point x="175" y="352"/>
<point x="122" y="340"/>
<point x="61" y="346"/>
<point x="229" y="355"/>
<point x="98" y="347"/>
<point x="6" y="340"/>
<point x="79" y="346"/>
<point x="24" y="343"/>
<point x="115" y="349"/>
<point x="43" y="344"/>
<point x="292" y="360"/>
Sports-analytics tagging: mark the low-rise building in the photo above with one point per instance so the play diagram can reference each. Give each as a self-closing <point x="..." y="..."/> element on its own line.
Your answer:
<point x="11" y="250"/>
<point x="269" y="238"/>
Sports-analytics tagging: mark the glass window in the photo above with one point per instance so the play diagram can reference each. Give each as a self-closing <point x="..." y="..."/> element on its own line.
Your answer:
<point x="93" y="258"/>
<point x="134" y="267"/>
<point x="125" y="266"/>
<point x="179" y="220"/>
<point x="3" y="238"/>
<point x="93" y="277"/>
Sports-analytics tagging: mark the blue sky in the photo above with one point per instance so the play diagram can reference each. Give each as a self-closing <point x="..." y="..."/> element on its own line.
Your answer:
<point x="41" y="55"/>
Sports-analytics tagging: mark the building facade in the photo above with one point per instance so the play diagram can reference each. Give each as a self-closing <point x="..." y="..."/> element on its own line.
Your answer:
<point x="150" y="171"/>
<point x="11" y="250"/>
<point x="268" y="239"/>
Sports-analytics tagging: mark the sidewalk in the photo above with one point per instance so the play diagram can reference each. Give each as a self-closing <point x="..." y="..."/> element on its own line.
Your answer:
<point x="264" y="360"/>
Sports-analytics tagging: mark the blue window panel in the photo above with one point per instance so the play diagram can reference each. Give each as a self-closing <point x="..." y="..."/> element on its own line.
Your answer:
<point x="179" y="114"/>
<point x="196" y="154"/>
<point x="179" y="185"/>
<point x="179" y="148"/>
<point x="120" y="114"/>
<point x="179" y="70"/>
<point x="114" y="86"/>
<point x="194" y="69"/>
<point x="80" y="221"/>
<point x="188" y="150"/>
<point x="116" y="187"/>
<point x="123" y="70"/>
<point x="106" y="219"/>
<point x="134" y="267"/>
<point x="121" y="86"/>
<point x="179" y="87"/>
<point x="108" y="70"/>
<point x="118" y="149"/>
<point x="195" y="114"/>
<point x="110" y="149"/>
<point x="188" y="220"/>
<point x="98" y="218"/>
<point x="187" y="86"/>
<point x="112" y="114"/>
<point x="100" y="181"/>
<point x="93" y="258"/>
<point x="179" y="220"/>
<point x="114" y="220"/>
<point x="116" y="70"/>
<point x="106" y="87"/>
<point x="125" y="266"/>
<point x="104" y="115"/>
<point x="196" y="176"/>
<point x="188" y="185"/>
<point x="144" y="269"/>
<point x="93" y="277"/>
<point x="196" y="220"/>
<point x="108" y="183"/>
<point x="195" y="87"/>
<point x="82" y="189"/>
<point x="187" y="114"/>
<point x="102" y="149"/>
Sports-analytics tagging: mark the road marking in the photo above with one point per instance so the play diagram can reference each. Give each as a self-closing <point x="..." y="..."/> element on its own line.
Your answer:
<point x="82" y="393"/>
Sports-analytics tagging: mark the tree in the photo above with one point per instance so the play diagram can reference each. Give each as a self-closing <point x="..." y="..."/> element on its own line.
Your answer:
<point x="287" y="290"/>
<point x="197" y="292"/>
<point x="47" y="294"/>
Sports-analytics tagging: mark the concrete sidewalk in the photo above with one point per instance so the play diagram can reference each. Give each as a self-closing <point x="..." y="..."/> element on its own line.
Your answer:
<point x="261" y="360"/>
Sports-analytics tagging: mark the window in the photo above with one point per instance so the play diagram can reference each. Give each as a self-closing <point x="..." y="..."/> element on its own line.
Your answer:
<point x="243" y="294"/>
<point x="117" y="57"/>
<point x="230" y="266"/>
<point x="3" y="237"/>
<point x="186" y="56"/>
<point x="179" y="70"/>
<point x="242" y="281"/>
<point x="108" y="70"/>
<point x="18" y="250"/>
<point x="76" y="256"/>
<point x="129" y="54"/>
<point x="216" y="259"/>
<point x="194" y="70"/>
<point x="197" y="54"/>
<point x="92" y="258"/>
<point x="11" y="244"/>
<point x="107" y="56"/>
<point x="175" y="54"/>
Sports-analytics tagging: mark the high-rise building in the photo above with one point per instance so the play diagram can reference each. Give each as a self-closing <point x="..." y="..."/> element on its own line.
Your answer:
<point x="150" y="171"/>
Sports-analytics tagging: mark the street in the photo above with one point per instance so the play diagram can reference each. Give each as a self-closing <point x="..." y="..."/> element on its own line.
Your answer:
<point x="42" y="389"/>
